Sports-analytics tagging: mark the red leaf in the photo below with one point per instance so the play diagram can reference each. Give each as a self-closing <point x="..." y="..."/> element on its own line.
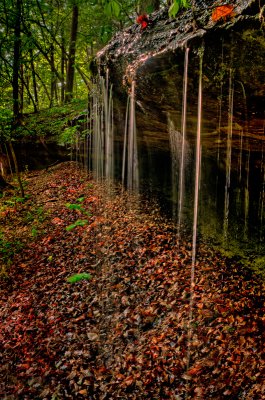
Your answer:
<point x="143" y="20"/>
<point x="223" y="12"/>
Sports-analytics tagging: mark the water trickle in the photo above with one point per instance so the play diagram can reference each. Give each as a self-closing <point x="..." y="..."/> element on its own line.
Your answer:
<point x="262" y="197"/>
<point x="175" y="143"/>
<point x="246" y="197"/>
<point x="196" y="206"/>
<point x="184" y="143"/>
<point x="242" y="130"/>
<point x="97" y="141"/>
<point x="228" y="155"/>
<point x="220" y="103"/>
<point x="108" y="127"/>
<point x="130" y="144"/>
<point x="102" y="143"/>
<point x="125" y="142"/>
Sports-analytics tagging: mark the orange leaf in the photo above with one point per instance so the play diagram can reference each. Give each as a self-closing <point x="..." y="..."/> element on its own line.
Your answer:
<point x="57" y="221"/>
<point x="223" y="12"/>
<point x="83" y="392"/>
<point x="194" y="371"/>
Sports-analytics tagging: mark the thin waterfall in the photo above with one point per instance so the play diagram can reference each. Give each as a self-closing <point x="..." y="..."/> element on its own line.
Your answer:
<point x="97" y="144"/>
<point x="102" y="131"/>
<point x="125" y="141"/>
<point x="196" y="206"/>
<point x="220" y="100"/>
<point x="228" y="154"/>
<point x="132" y="170"/>
<point x="242" y="131"/>
<point x="246" y="196"/>
<point x="108" y="125"/>
<point x="262" y="198"/>
<point x="175" y="143"/>
<point x="183" y="134"/>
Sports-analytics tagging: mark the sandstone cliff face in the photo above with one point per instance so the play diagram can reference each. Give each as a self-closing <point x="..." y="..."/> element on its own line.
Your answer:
<point x="232" y="53"/>
<point x="233" y="56"/>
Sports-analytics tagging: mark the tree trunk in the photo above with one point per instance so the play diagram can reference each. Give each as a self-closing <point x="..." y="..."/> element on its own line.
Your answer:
<point x="36" y="102"/>
<point x="71" y="59"/>
<point x="15" y="84"/>
<point x="62" y="69"/>
<point x="16" y="169"/>
<point x="53" y="78"/>
<point x="16" y="61"/>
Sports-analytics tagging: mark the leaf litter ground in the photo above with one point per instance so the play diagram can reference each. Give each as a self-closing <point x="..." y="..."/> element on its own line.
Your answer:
<point x="124" y="332"/>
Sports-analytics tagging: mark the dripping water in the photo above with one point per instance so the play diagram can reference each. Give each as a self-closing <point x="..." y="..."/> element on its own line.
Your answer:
<point x="130" y="142"/>
<point x="175" y="143"/>
<point x="246" y="196"/>
<point x="219" y="124"/>
<point x="183" y="144"/>
<point x="108" y="127"/>
<point x="196" y="206"/>
<point x="102" y="143"/>
<point x="262" y="197"/>
<point x="242" y="131"/>
<point x="125" y="142"/>
<point x="228" y="155"/>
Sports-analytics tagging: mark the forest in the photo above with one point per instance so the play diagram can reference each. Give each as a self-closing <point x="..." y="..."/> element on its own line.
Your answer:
<point x="122" y="275"/>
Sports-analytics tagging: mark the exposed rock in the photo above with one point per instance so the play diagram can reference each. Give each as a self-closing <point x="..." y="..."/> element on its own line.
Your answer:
<point x="233" y="57"/>
<point x="133" y="49"/>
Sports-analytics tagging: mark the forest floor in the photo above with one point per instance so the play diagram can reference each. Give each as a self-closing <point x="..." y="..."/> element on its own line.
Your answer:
<point x="126" y="330"/>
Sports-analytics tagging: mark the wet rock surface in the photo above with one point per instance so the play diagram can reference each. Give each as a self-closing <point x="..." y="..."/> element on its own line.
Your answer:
<point x="233" y="49"/>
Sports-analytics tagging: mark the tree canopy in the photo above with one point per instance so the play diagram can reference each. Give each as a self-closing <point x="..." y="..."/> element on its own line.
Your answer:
<point x="44" y="43"/>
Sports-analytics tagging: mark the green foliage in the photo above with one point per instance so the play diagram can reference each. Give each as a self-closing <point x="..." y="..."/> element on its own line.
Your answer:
<point x="78" y="206"/>
<point x="5" y="123"/>
<point x="8" y="249"/>
<point x="79" y="222"/>
<point x="34" y="232"/>
<point x="36" y="215"/>
<point x="78" y="277"/>
<point x="112" y="8"/>
<point x="68" y="135"/>
<point x="176" y="6"/>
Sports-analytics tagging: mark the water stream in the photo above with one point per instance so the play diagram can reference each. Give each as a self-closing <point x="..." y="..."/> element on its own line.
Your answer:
<point x="214" y="191"/>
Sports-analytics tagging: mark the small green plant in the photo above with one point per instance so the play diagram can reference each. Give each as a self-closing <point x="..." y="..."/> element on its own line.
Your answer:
<point x="79" y="222"/>
<point x="37" y="215"/>
<point x="8" y="249"/>
<point x="78" y="277"/>
<point x="34" y="232"/>
<point x="78" y="207"/>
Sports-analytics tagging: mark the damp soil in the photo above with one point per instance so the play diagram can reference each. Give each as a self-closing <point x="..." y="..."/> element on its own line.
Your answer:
<point x="124" y="332"/>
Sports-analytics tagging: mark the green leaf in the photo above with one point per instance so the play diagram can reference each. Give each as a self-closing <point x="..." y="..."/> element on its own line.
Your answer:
<point x="174" y="9"/>
<point x="176" y="6"/>
<point x="78" y="277"/>
<point x="74" y="207"/>
<point x="115" y="8"/>
<point x="150" y="9"/>
<point x="112" y="8"/>
<point x="185" y="3"/>
<point x="79" y="222"/>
